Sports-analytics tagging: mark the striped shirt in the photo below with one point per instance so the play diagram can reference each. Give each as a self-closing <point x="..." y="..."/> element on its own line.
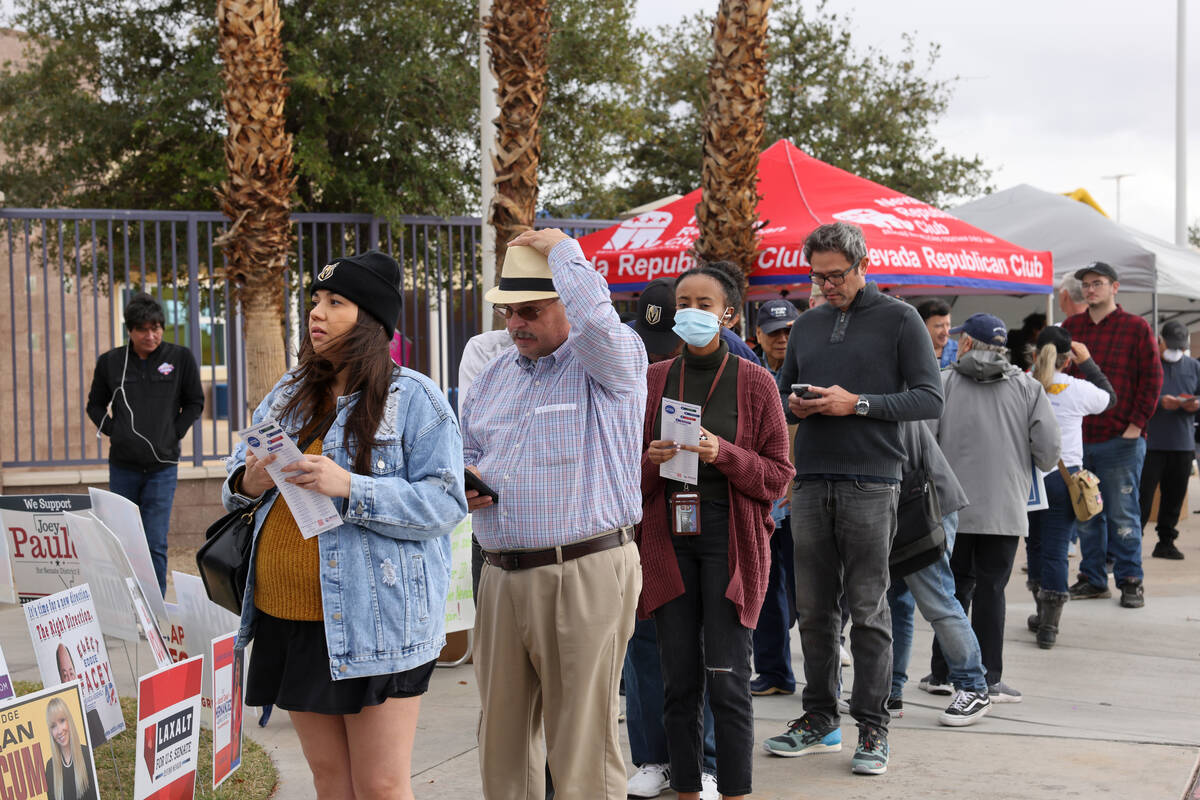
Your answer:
<point x="560" y="438"/>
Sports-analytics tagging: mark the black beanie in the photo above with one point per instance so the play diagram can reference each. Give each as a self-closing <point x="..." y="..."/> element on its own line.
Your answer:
<point x="371" y="280"/>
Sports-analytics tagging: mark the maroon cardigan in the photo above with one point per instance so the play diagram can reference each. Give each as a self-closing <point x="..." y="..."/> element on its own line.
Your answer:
<point x="757" y="467"/>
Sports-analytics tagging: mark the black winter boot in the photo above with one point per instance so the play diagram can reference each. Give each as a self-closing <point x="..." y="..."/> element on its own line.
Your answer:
<point x="1052" y="605"/>
<point x="1035" y="620"/>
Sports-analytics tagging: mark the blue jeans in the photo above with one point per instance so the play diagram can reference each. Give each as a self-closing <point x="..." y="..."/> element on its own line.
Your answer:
<point x="931" y="589"/>
<point x="1050" y="532"/>
<point x="644" y="702"/>
<point x="153" y="492"/>
<point x="1117" y="529"/>
<point x="842" y="532"/>
<point x="772" y="643"/>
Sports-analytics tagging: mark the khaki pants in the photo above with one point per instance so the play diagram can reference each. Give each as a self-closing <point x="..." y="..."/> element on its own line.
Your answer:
<point x="549" y="644"/>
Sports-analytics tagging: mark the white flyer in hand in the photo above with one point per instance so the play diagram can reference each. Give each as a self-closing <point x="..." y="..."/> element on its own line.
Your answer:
<point x="313" y="511"/>
<point x="681" y="424"/>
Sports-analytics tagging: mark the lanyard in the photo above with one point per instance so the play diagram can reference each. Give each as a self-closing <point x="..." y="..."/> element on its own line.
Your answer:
<point x="711" y="389"/>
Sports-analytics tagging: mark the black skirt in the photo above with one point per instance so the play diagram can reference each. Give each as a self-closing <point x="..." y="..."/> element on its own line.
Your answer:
<point x="289" y="668"/>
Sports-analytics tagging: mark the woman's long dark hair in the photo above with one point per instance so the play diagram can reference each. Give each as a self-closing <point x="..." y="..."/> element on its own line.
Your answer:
<point x="362" y="352"/>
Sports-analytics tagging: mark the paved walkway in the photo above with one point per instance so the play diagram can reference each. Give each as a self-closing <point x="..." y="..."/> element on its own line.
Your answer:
<point x="1112" y="711"/>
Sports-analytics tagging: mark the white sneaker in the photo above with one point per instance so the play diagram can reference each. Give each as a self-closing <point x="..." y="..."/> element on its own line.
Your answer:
<point x="708" y="787"/>
<point x="650" y="780"/>
<point x="846" y="659"/>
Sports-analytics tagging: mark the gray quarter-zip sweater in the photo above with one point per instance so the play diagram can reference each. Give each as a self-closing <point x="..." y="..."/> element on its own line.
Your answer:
<point x="877" y="348"/>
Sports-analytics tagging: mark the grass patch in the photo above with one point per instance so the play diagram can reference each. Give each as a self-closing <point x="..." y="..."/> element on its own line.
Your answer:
<point x="254" y="780"/>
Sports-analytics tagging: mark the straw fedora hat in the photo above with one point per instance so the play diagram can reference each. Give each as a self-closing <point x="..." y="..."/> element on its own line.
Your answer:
<point x="526" y="276"/>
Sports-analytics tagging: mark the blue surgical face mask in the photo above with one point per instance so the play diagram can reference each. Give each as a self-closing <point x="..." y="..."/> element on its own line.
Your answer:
<point x="696" y="326"/>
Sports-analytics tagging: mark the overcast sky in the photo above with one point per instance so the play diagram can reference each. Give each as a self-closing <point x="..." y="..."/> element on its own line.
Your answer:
<point x="1054" y="93"/>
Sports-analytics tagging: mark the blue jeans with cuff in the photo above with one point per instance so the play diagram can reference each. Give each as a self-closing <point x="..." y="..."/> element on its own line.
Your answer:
<point x="1117" y="530"/>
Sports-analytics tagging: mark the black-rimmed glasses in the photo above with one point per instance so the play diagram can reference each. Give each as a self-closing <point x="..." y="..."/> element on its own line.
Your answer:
<point x="832" y="278"/>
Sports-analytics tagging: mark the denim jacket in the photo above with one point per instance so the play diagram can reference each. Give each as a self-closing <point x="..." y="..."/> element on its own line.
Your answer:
<point x="385" y="571"/>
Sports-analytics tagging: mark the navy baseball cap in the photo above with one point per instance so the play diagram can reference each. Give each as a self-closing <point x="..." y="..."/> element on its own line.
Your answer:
<point x="984" y="328"/>
<point x="1100" y="268"/>
<point x="656" y="317"/>
<point x="775" y="314"/>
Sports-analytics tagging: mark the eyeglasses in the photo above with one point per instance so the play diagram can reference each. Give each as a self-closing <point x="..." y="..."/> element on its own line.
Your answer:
<point x="527" y="313"/>
<point x="1094" y="284"/>
<point x="832" y="278"/>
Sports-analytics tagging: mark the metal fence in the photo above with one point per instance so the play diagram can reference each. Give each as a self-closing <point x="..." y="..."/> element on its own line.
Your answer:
<point x="69" y="273"/>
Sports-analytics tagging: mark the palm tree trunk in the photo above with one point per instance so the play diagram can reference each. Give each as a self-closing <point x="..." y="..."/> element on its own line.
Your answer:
<point x="733" y="131"/>
<point x="257" y="195"/>
<point x="518" y="34"/>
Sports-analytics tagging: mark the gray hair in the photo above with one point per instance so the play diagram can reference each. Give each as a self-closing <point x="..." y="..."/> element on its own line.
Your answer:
<point x="1074" y="289"/>
<point x="837" y="237"/>
<point x="986" y="346"/>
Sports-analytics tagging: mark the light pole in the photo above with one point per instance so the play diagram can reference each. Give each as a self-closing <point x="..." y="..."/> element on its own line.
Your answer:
<point x="1117" y="178"/>
<point x="1181" y="125"/>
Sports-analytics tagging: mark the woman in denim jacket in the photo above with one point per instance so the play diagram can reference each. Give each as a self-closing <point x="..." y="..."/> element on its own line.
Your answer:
<point x="348" y="624"/>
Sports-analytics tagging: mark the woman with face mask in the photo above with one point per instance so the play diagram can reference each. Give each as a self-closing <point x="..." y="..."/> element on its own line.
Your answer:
<point x="705" y="545"/>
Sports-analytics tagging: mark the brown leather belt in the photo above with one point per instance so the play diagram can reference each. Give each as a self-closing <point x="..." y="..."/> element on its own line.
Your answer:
<point x="528" y="559"/>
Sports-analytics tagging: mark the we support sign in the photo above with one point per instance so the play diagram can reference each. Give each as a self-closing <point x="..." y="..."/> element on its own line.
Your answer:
<point x="38" y="540"/>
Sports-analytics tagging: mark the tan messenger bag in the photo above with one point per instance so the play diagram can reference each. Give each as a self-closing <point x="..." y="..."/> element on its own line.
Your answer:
<point x="1084" y="488"/>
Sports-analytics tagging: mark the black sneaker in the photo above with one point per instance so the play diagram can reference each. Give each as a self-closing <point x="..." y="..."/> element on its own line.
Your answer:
<point x="1167" y="550"/>
<point x="1086" y="590"/>
<point x="966" y="708"/>
<point x="1132" y="595"/>
<point x="895" y="706"/>
<point x="935" y="685"/>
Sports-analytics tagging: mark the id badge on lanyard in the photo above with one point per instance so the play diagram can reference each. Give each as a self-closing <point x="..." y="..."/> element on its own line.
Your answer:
<point x="685" y="506"/>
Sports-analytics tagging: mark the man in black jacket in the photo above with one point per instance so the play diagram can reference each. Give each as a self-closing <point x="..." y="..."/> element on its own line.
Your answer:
<point x="144" y="397"/>
<point x="869" y="364"/>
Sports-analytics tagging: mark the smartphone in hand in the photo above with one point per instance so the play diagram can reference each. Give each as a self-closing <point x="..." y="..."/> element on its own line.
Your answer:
<point x="804" y="391"/>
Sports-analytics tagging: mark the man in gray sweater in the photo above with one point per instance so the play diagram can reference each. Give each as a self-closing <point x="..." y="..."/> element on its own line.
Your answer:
<point x="998" y="422"/>
<point x="869" y="364"/>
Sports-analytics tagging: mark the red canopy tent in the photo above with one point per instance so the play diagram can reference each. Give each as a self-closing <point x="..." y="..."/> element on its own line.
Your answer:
<point x="914" y="248"/>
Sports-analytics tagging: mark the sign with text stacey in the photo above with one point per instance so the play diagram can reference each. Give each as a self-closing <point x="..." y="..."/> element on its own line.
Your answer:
<point x="168" y="732"/>
<point x="38" y="541"/>
<point x="228" y="677"/>
<point x="69" y="646"/>
<point x="45" y="752"/>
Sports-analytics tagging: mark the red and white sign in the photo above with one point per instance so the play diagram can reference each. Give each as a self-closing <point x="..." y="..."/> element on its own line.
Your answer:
<point x="168" y="732"/>
<point x="149" y="627"/>
<point x="39" y="556"/>
<point x="910" y="244"/>
<point x="228" y="677"/>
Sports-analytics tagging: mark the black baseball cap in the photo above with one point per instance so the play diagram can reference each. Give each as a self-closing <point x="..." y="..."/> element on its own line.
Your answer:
<point x="1175" y="334"/>
<point x="775" y="314"/>
<point x="1100" y="268"/>
<point x="656" y="317"/>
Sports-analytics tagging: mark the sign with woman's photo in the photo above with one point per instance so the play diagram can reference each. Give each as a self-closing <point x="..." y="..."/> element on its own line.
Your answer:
<point x="228" y="677"/>
<point x="44" y="746"/>
<point x="69" y="647"/>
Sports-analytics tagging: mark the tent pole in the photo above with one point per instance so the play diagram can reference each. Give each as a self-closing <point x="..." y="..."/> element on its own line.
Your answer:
<point x="1050" y="309"/>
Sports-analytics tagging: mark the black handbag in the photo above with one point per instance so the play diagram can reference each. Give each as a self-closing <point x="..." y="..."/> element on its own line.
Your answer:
<point x="224" y="558"/>
<point x="920" y="538"/>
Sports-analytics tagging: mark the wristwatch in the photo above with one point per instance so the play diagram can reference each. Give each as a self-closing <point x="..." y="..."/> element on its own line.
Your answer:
<point x="862" y="407"/>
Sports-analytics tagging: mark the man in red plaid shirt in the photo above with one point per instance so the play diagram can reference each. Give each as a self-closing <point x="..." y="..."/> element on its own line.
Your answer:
<point x="1114" y="443"/>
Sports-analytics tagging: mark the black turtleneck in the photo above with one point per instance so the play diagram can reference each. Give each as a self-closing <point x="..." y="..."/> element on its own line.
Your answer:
<point x="720" y="415"/>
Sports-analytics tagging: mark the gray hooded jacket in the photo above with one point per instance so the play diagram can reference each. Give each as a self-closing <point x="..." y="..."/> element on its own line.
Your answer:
<point x="996" y="424"/>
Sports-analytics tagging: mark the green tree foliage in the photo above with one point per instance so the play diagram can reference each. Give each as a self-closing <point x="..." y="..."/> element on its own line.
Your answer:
<point x="862" y="111"/>
<point x="120" y="106"/>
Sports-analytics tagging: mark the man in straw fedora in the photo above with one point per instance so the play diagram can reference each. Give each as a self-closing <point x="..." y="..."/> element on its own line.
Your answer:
<point x="554" y="426"/>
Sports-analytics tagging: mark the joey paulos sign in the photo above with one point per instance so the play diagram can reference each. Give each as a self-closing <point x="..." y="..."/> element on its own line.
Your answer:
<point x="38" y="545"/>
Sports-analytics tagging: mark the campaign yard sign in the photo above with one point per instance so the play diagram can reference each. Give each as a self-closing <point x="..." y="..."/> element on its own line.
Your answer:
<point x="69" y="647"/>
<point x="105" y="568"/>
<point x="177" y="643"/>
<point x="168" y="732"/>
<point x="122" y="517"/>
<point x="38" y="539"/>
<point x="203" y="620"/>
<point x="228" y="677"/>
<point x="460" y="600"/>
<point x="6" y="687"/>
<point x="44" y="747"/>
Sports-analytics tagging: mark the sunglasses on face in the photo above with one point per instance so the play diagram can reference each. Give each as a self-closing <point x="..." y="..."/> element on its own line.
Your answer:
<point x="527" y="313"/>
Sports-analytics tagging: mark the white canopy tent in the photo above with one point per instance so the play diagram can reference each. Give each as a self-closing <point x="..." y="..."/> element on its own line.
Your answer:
<point x="1078" y="235"/>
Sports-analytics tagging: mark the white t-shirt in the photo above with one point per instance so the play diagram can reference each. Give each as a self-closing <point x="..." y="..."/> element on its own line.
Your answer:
<point x="1073" y="399"/>
<point x="478" y="353"/>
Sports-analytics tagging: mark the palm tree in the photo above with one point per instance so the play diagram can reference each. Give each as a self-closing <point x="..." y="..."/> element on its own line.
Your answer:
<point x="257" y="195"/>
<point x="733" y="132"/>
<point x="518" y="32"/>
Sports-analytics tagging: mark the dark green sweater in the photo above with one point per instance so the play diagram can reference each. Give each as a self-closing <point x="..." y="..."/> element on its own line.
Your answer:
<point x="878" y="348"/>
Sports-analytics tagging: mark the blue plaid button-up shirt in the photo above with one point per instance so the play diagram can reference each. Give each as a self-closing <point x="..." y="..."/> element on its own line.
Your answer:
<point x="560" y="438"/>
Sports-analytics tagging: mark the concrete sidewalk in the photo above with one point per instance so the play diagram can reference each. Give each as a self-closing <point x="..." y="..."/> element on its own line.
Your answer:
<point x="1112" y="711"/>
